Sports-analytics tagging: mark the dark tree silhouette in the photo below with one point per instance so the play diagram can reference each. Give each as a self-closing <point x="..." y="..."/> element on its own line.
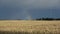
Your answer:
<point x="48" y="18"/>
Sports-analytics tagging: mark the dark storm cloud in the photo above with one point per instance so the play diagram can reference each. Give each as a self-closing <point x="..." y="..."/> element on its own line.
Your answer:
<point x="30" y="3"/>
<point x="15" y="8"/>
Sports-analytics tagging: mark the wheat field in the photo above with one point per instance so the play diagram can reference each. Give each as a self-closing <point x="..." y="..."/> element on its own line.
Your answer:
<point x="29" y="27"/>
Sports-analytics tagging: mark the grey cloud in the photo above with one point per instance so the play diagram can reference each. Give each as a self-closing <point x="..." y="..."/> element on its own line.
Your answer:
<point x="18" y="7"/>
<point x="31" y="3"/>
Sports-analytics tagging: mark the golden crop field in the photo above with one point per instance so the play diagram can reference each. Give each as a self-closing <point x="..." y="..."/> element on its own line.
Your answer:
<point x="30" y="26"/>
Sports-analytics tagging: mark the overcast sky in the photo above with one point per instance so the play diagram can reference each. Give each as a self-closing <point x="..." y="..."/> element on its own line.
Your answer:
<point x="26" y="9"/>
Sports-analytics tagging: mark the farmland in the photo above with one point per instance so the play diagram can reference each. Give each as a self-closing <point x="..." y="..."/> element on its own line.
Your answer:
<point x="29" y="27"/>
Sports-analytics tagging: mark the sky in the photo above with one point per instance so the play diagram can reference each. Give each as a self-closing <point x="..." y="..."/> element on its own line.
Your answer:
<point x="29" y="9"/>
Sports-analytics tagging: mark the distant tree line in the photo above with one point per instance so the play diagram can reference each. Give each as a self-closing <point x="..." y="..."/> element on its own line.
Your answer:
<point x="35" y="19"/>
<point x="48" y="19"/>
